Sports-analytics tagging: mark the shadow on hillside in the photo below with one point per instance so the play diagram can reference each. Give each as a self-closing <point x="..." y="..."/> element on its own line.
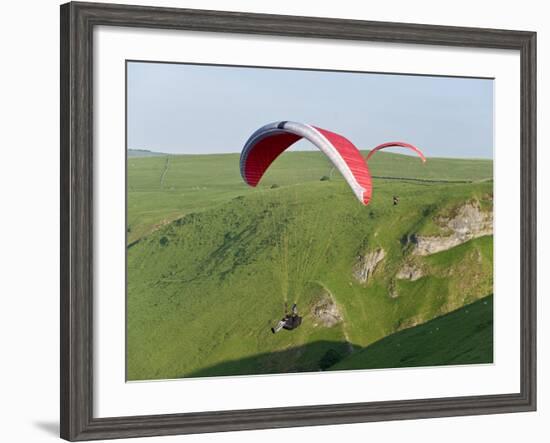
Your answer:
<point x="463" y="336"/>
<point x="311" y="357"/>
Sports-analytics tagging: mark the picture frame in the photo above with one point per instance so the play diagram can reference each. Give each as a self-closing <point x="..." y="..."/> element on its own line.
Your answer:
<point x="78" y="21"/>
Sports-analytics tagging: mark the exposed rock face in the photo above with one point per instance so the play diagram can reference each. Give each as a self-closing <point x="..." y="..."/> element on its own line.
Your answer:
<point x="325" y="312"/>
<point x="392" y="290"/>
<point x="366" y="265"/>
<point x="409" y="272"/>
<point x="469" y="222"/>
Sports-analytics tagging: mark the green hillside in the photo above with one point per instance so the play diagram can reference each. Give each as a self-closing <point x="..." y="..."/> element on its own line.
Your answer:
<point x="463" y="336"/>
<point x="164" y="188"/>
<point x="211" y="262"/>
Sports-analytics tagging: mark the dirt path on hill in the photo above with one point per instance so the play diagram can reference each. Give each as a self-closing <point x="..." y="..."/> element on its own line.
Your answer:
<point x="163" y="175"/>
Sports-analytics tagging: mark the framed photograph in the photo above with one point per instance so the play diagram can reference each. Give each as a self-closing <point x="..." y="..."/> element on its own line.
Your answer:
<point x="272" y="221"/>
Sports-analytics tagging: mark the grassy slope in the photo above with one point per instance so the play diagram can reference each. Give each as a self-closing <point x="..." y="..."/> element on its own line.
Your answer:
<point x="164" y="188"/>
<point x="460" y="337"/>
<point x="464" y="336"/>
<point x="203" y="290"/>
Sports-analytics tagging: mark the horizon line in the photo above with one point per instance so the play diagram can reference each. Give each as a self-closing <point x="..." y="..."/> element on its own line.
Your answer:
<point x="298" y="150"/>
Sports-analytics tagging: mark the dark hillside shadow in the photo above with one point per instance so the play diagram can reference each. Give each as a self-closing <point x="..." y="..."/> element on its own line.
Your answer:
<point x="461" y="337"/>
<point x="312" y="357"/>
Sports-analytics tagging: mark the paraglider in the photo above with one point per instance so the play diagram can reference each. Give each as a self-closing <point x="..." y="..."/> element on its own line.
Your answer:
<point x="271" y="140"/>
<point x="289" y="321"/>
<point x="268" y="142"/>
<point x="399" y="145"/>
<point x="261" y="150"/>
<point x="395" y="198"/>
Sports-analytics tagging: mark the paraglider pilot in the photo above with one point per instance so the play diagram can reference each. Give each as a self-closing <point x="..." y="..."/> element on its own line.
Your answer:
<point x="289" y="321"/>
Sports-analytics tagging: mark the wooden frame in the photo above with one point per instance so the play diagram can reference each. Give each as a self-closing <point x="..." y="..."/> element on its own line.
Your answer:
<point x="77" y="23"/>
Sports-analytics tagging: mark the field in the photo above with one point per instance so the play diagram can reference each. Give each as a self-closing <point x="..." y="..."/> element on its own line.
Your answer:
<point x="212" y="263"/>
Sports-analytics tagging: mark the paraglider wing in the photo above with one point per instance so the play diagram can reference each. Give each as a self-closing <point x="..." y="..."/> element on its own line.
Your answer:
<point x="268" y="142"/>
<point x="397" y="144"/>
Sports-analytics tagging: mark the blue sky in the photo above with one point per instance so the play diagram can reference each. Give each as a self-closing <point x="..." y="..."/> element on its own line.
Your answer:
<point x="191" y="109"/>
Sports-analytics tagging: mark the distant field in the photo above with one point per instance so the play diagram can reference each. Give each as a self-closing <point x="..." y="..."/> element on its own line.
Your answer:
<point x="163" y="188"/>
<point x="212" y="262"/>
<point x="143" y="153"/>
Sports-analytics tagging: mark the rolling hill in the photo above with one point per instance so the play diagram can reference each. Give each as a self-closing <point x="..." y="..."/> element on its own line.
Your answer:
<point x="132" y="153"/>
<point x="164" y="188"/>
<point x="460" y="337"/>
<point x="212" y="263"/>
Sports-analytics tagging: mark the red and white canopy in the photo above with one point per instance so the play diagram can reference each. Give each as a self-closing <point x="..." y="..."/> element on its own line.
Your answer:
<point x="398" y="145"/>
<point x="268" y="142"/>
